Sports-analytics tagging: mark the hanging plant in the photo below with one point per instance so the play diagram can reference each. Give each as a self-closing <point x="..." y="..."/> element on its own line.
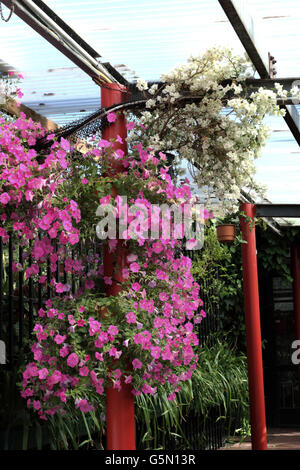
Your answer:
<point x="219" y="129"/>
<point x="85" y="341"/>
<point x="226" y="232"/>
<point x="143" y="336"/>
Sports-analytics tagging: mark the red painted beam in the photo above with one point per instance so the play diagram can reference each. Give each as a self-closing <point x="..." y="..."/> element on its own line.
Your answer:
<point x="253" y="331"/>
<point x="295" y="255"/>
<point x="119" y="404"/>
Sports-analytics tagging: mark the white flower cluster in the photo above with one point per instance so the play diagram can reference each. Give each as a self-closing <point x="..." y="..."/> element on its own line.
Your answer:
<point x="142" y="85"/>
<point x="218" y="126"/>
<point x="8" y="86"/>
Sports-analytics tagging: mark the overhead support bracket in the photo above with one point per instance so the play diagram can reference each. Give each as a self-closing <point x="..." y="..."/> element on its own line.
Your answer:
<point x="278" y="210"/>
<point x="244" y="25"/>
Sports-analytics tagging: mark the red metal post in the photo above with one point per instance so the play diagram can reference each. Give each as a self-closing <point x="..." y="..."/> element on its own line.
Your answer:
<point x="253" y="332"/>
<point x="119" y="404"/>
<point x="296" y="289"/>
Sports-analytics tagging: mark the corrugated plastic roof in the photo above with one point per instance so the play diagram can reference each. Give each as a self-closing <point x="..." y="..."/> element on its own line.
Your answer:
<point x="149" y="38"/>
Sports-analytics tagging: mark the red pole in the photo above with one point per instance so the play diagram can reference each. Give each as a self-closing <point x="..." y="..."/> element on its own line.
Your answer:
<point x="296" y="289"/>
<point x="253" y="332"/>
<point x="119" y="404"/>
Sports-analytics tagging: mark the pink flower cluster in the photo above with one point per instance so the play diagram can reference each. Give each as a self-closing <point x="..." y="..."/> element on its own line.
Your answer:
<point x="31" y="206"/>
<point x="146" y="335"/>
<point x="27" y="186"/>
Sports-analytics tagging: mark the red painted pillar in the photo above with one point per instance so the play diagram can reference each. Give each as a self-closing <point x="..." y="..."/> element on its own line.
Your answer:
<point x="119" y="404"/>
<point x="295" y="255"/>
<point x="253" y="332"/>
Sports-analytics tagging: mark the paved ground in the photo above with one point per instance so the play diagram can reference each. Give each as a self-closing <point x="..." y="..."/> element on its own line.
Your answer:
<point x="278" y="439"/>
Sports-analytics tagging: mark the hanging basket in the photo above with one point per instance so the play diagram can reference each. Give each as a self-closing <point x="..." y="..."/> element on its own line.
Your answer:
<point x="226" y="233"/>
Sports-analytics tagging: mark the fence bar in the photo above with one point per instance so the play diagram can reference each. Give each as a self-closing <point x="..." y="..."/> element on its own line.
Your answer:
<point x="21" y="299"/>
<point x="72" y="275"/>
<point x="39" y="285"/>
<point x="10" y="301"/>
<point x="39" y="289"/>
<point x="57" y="264"/>
<point x="253" y="331"/>
<point x="30" y="296"/>
<point x="1" y="288"/>
<point x="80" y="254"/>
<point x="48" y="278"/>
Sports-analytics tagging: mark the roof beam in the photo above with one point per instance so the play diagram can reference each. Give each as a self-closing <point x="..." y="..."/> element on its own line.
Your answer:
<point x="67" y="28"/>
<point x="14" y="109"/>
<point x="271" y="223"/>
<point x="250" y="85"/>
<point x="278" y="210"/>
<point x="63" y="38"/>
<point x="287" y="83"/>
<point x="244" y="26"/>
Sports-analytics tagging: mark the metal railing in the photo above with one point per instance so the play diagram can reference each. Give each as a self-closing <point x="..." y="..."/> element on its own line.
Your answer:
<point x="21" y="297"/>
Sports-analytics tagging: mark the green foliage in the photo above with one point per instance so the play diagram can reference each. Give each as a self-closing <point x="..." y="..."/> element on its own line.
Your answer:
<point x="19" y="428"/>
<point x="76" y="430"/>
<point x="207" y="262"/>
<point x="274" y="251"/>
<point x="218" y="270"/>
<point x="22" y="429"/>
<point x="220" y="383"/>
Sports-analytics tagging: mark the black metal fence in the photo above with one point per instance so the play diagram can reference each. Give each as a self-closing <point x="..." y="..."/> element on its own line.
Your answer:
<point x="201" y="432"/>
<point x="21" y="298"/>
<point x="211" y="324"/>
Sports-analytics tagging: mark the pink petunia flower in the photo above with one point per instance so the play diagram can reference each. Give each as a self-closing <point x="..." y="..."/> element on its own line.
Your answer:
<point x="172" y="397"/>
<point x="131" y="317"/>
<point x="4" y="198"/>
<point x="104" y="143"/>
<point x="84" y="406"/>
<point x="111" y="117"/>
<point x="36" y="404"/>
<point x="130" y="125"/>
<point x="84" y="371"/>
<point x="72" y="360"/>
<point x="43" y="373"/>
<point x="112" y="330"/>
<point x="59" y="339"/>
<point x="137" y="364"/>
<point x="136" y="286"/>
<point x="134" y="267"/>
<point x="108" y="280"/>
<point x="65" y="144"/>
<point x="64" y="351"/>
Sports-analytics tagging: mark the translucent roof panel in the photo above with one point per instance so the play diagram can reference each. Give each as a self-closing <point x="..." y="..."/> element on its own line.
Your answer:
<point x="145" y="39"/>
